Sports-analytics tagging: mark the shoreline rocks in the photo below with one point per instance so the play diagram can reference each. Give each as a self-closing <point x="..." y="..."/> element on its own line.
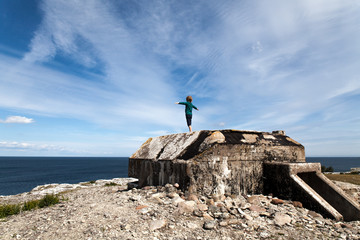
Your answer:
<point x="106" y="209"/>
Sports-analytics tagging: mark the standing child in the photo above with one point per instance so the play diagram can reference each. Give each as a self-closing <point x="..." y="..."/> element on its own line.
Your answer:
<point x="188" y="110"/>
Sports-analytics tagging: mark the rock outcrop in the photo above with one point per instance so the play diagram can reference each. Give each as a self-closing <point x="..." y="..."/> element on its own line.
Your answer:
<point x="109" y="210"/>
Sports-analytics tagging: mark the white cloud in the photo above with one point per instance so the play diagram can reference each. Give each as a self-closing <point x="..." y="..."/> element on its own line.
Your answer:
<point x="17" y="119"/>
<point x="248" y="64"/>
<point x="24" y="146"/>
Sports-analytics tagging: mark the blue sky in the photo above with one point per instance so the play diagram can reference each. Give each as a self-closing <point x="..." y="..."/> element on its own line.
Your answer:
<point x="97" y="78"/>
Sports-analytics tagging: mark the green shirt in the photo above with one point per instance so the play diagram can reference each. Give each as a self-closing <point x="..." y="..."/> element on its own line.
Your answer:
<point x="188" y="107"/>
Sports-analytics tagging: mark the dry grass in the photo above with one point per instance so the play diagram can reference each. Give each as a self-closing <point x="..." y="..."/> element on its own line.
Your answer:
<point x="349" y="178"/>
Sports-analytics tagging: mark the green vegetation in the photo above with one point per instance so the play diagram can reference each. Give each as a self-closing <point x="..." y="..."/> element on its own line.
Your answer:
<point x="12" y="209"/>
<point x="48" y="200"/>
<point x="30" y="205"/>
<point x="345" y="177"/>
<point x="327" y="169"/>
<point x="9" y="209"/>
<point x="110" y="184"/>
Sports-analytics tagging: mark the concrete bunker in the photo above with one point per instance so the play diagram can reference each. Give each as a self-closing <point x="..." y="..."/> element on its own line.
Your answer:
<point x="237" y="162"/>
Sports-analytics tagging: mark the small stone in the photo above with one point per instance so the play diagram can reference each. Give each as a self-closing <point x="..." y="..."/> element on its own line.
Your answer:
<point x="210" y="202"/>
<point x="264" y="214"/>
<point x="173" y="195"/>
<point x="157" y="224"/>
<point x="337" y="225"/>
<point x="256" y="208"/>
<point x="202" y="207"/>
<point x="177" y="200"/>
<point x="264" y="235"/>
<point x="135" y="198"/>
<point x="233" y="221"/>
<point x="193" y="197"/>
<point x="281" y="219"/>
<point x="244" y="215"/>
<point x="277" y="201"/>
<point x="225" y="215"/>
<point x="170" y="188"/>
<point x="186" y="206"/>
<point x="217" y="215"/>
<point x="218" y="197"/>
<point x="213" y="209"/>
<point x="345" y="225"/>
<point x="220" y="205"/>
<point x="223" y="223"/>
<point x="203" y="199"/>
<point x="246" y="205"/>
<point x="198" y="213"/>
<point x="176" y="185"/>
<point x="314" y="214"/>
<point x="125" y="227"/>
<point x="208" y="225"/>
<point x="141" y="207"/>
<point x="343" y="236"/>
<point x="297" y="204"/>
<point x="233" y="211"/>
<point x="192" y="225"/>
<point x="158" y="200"/>
<point x="159" y="195"/>
<point x="206" y="216"/>
<point x="253" y="200"/>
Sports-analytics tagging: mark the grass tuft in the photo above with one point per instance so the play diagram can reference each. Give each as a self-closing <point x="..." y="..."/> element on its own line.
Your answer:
<point x="110" y="184"/>
<point x="12" y="209"/>
<point x="31" y="205"/>
<point x="48" y="200"/>
<point x="9" y="209"/>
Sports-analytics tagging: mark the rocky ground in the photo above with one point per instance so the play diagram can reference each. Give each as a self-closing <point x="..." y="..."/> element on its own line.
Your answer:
<point x="107" y="211"/>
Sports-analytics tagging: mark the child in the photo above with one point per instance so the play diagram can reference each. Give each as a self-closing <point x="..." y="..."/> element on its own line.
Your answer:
<point x="188" y="110"/>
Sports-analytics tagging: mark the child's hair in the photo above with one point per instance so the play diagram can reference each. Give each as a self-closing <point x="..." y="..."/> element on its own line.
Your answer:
<point x="189" y="98"/>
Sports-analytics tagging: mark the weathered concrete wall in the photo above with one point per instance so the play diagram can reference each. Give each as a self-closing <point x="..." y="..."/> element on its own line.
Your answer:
<point x="212" y="162"/>
<point x="222" y="176"/>
<point x="155" y="173"/>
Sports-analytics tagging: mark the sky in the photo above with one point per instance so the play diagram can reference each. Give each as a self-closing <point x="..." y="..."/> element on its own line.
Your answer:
<point x="97" y="78"/>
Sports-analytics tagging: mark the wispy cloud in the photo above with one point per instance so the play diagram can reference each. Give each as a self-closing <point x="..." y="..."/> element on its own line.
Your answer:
<point x="249" y="64"/>
<point x="25" y="146"/>
<point x="17" y="119"/>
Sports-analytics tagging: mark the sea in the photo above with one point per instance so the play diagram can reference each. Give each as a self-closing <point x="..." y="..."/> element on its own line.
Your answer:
<point x="22" y="174"/>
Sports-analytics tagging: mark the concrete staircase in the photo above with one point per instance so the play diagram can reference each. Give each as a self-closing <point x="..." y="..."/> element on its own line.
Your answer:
<point x="304" y="182"/>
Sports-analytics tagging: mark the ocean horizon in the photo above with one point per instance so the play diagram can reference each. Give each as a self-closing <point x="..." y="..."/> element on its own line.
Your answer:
<point x="22" y="174"/>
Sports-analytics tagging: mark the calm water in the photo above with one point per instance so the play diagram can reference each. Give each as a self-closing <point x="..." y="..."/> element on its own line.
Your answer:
<point x="340" y="164"/>
<point x="21" y="174"/>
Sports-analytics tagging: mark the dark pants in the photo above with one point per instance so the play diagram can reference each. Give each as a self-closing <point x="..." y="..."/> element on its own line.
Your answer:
<point x="188" y="119"/>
